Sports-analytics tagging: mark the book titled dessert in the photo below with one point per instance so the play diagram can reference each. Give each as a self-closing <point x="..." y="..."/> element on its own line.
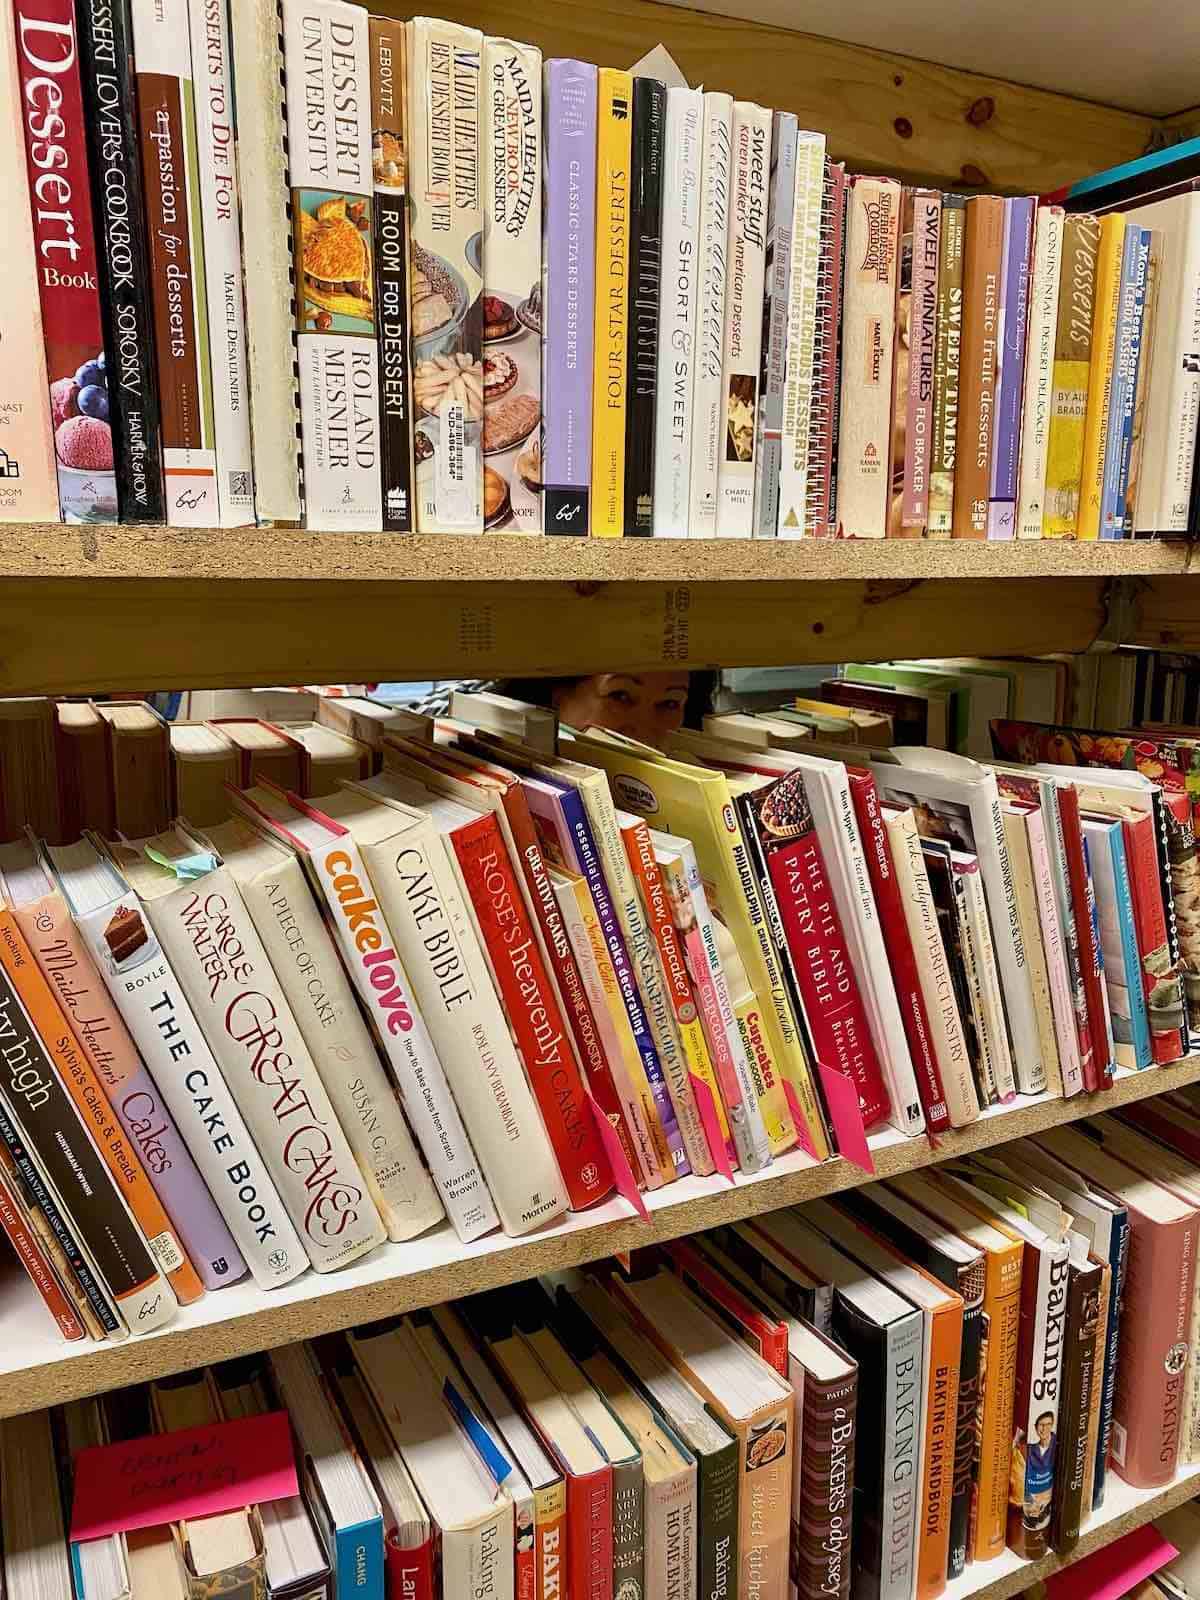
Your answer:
<point x="614" y="100"/>
<point x="711" y="276"/>
<point x="750" y="170"/>
<point x="868" y="342"/>
<point x="67" y="267"/>
<point x="645" y="264"/>
<point x="804" y="366"/>
<point x="171" y="186"/>
<point x="28" y="485"/>
<point x="781" y="192"/>
<point x="946" y="367"/>
<point x="512" y="271"/>
<point x="568" y="294"/>
<point x="983" y="260"/>
<point x="1039" y="369"/>
<point x="326" y="50"/>
<point x="389" y="169"/>
<point x="677" y="310"/>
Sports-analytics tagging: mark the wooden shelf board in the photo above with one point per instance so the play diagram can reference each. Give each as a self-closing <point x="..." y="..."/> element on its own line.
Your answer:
<point x="38" y="1369"/>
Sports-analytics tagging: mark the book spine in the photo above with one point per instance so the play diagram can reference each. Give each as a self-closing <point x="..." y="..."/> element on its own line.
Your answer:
<point x="589" y="1535"/>
<point x="1018" y="246"/>
<point x="901" y="369"/>
<point x="392" y="265"/>
<point x="750" y="163"/>
<point x="128" y="389"/>
<point x="59" y="949"/>
<point x="947" y="366"/>
<point x="67" y="260"/>
<point x="532" y="1010"/>
<point x="1152" y="1377"/>
<point x="1175" y="422"/>
<point x="1139" y="1017"/>
<point x="223" y="969"/>
<point x="810" y="309"/>
<point x="1002" y="1310"/>
<point x="1039" y="370"/>
<point x="995" y="1029"/>
<point x="1021" y="862"/>
<point x="611" y="331"/>
<point x="628" y="1511"/>
<point x="768" y="437"/>
<point x="301" y="951"/>
<point x="708" y="407"/>
<point x="216" y="146"/>
<point x="1142" y="859"/>
<point x="29" y="1252"/>
<point x="647" y="160"/>
<point x="1101" y="372"/>
<point x="1072" y="364"/>
<point x="1054" y="829"/>
<point x="92" y="1104"/>
<point x="943" y="1333"/>
<point x="369" y="952"/>
<point x="1006" y="934"/>
<point x="448" y="972"/>
<point x="922" y="352"/>
<point x="1045" y="1283"/>
<point x="270" y="330"/>
<point x="326" y="49"/>
<point x="970" y="1397"/>
<point x="822" y="1508"/>
<point x="971" y="969"/>
<point x="868" y="345"/>
<point x="1091" y="1063"/>
<point x="1119" y="444"/>
<point x="1079" y="1380"/>
<point x="820" y="511"/>
<point x="410" y="1569"/>
<point x="677" y="310"/>
<point x="718" y="1550"/>
<point x="28" y="484"/>
<point x="568" y="294"/>
<point x="983" y="252"/>
<point x="1138" y="493"/>
<point x="671" y="1535"/>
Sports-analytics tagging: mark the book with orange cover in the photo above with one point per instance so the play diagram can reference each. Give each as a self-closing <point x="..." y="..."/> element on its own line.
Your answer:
<point x="982" y="262"/>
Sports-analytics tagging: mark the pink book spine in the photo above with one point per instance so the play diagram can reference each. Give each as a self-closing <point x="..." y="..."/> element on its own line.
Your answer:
<point x="60" y="952"/>
<point x="1061" y="1001"/>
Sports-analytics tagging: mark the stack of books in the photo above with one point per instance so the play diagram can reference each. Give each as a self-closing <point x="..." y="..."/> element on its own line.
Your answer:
<point x="545" y="297"/>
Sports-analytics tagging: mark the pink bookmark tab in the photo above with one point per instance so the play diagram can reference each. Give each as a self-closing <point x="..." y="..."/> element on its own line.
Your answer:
<point x="707" y="1107"/>
<point x="170" y="1477"/>
<point x="1114" y="1571"/>
<point x="841" y="1097"/>
<point x="801" y="1121"/>
<point x="622" y="1173"/>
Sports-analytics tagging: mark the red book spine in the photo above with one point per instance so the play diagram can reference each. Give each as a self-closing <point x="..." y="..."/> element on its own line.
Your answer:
<point x="905" y="975"/>
<point x="1150" y="923"/>
<point x="532" y="1010"/>
<point x="589" y="1536"/>
<point x="409" y="1572"/>
<point x="37" y="1264"/>
<point x="1157" y="1121"/>
<point x="1091" y="1048"/>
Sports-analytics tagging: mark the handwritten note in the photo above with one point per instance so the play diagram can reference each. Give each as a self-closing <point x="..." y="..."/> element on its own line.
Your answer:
<point x="169" y="1477"/>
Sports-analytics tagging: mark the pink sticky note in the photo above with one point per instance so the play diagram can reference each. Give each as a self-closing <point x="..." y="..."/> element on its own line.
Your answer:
<point x="615" y="1151"/>
<point x="196" y="1472"/>
<point x="1114" y="1571"/>
<point x="707" y="1107"/>
<point x="841" y="1097"/>
<point x="801" y="1121"/>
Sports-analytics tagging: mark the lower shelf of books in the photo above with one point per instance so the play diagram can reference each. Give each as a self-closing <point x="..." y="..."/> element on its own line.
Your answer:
<point x="37" y="1368"/>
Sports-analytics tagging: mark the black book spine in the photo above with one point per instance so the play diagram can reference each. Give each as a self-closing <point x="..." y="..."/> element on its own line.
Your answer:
<point x="645" y="272"/>
<point x="969" y="1398"/>
<point x="388" y="73"/>
<point x="717" y="1555"/>
<point x="1079" y="1378"/>
<point x="126" y="395"/>
<point x="866" y="1343"/>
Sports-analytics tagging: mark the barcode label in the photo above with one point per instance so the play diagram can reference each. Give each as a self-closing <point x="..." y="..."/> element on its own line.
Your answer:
<point x="1118" y="1443"/>
<point x="166" y="1252"/>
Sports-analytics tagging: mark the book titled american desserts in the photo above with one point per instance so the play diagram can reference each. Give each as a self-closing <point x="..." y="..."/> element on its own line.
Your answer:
<point x="750" y="170"/>
<point x="568" y="294"/>
<point x="326" y="51"/>
<point x="65" y="253"/>
<point x="171" y="188"/>
<point x="512" y="271"/>
<point x="712" y="272"/>
<point x="868" y="343"/>
<point x="28" y="485"/>
<point x="677" y="310"/>
<point x="127" y="397"/>
<point x="645" y="264"/>
<point x="614" y="99"/>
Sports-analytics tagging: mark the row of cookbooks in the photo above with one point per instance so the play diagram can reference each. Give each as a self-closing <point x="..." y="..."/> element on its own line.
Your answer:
<point x="856" y="1397"/>
<point x="500" y="293"/>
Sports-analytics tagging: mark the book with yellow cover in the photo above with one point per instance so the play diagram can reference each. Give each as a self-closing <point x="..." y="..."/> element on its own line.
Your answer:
<point x="1072" y="361"/>
<point x="613" y="135"/>
<point x="1100" y="373"/>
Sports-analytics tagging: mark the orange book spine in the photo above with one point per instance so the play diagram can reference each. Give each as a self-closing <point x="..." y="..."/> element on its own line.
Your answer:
<point x="941" y="1420"/>
<point x="97" y="1115"/>
<point x="1002" y="1307"/>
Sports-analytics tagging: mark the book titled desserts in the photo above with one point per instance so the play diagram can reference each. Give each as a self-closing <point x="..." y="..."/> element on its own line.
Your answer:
<point x="447" y="238"/>
<point x="326" y="50"/>
<point x="512" y="271"/>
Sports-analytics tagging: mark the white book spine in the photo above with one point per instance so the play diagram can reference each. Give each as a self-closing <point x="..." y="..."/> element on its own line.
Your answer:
<point x="682" y="148"/>
<point x="1039" y="370"/>
<point x="864" y="479"/>
<point x="903" y="1428"/>
<point x="309" y="969"/>
<point x="263" y="181"/>
<point x="781" y="204"/>
<point x="1162" y="501"/>
<point x="990" y="845"/>
<point x="1056" y="955"/>
<point x="208" y="935"/>
<point x="1046" y="1361"/>
<point x="708" y="410"/>
<point x="327" y="63"/>
<point x="419" y="896"/>
<point x="989" y="987"/>
<point x="750" y="166"/>
<point x="216" y="149"/>
<point x="1020" y="859"/>
<point x="802" y="332"/>
<point x="670" y="1522"/>
<point x="172" y="1044"/>
<point x="369" y="951"/>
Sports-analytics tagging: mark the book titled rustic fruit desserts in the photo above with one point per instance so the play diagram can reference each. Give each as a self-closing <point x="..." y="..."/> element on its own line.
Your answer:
<point x="511" y="136"/>
<point x="446" y="204"/>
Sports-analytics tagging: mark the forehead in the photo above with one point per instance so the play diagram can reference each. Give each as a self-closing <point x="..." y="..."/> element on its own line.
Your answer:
<point x="651" y="682"/>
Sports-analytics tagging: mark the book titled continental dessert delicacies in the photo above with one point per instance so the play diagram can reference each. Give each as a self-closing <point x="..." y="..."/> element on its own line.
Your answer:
<point x="326" y="50"/>
<point x="868" y="342"/>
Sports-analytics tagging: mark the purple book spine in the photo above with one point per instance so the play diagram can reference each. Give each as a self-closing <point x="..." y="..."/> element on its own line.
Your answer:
<point x="1014" y="321"/>
<point x="568" y="287"/>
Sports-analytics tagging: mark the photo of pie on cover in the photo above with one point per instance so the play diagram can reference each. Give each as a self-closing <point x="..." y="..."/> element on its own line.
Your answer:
<point x="512" y="414"/>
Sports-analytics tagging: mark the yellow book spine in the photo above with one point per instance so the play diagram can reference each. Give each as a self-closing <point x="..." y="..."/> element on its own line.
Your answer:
<point x="1072" y="361"/>
<point x="1100" y="373"/>
<point x="611" y="322"/>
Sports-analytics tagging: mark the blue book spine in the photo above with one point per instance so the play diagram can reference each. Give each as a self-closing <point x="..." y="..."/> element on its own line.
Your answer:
<point x="589" y="864"/>
<point x="1138" y="1016"/>
<point x="1118" y="1260"/>
<point x="1136" y="379"/>
<point x="1112" y="513"/>
<point x="358" y="1561"/>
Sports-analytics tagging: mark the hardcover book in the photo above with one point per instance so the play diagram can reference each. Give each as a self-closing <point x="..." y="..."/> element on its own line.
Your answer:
<point x="1101" y="373"/>
<point x="708" y="402"/>
<point x="647" y="164"/>
<point x="611" y="335"/>
<point x="1135" y="268"/>
<point x="768" y="438"/>
<point x="983" y="259"/>
<point x="682" y="153"/>
<point x="810" y="335"/>
<point x="921" y="354"/>
<point x="868" y="346"/>
<point x="947" y="366"/>
<point x="1010" y="385"/>
<point x="1039" y="369"/>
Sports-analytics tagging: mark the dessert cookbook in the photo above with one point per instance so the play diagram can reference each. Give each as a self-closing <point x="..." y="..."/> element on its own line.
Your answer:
<point x="708" y="406"/>
<point x="864" y="450"/>
<point x="647" y="160"/>
<point x="781" y="190"/>
<point x="805" y="350"/>
<point x="677" y="314"/>
<point x="614" y="102"/>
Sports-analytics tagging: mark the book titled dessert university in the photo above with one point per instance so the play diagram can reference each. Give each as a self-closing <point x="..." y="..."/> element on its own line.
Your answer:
<point x="329" y="152"/>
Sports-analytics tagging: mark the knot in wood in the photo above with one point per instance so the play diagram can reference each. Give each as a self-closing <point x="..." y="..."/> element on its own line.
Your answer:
<point x="981" y="111"/>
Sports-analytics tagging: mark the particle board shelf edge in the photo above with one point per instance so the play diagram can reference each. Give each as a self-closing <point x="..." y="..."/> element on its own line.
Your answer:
<point x="37" y="1369"/>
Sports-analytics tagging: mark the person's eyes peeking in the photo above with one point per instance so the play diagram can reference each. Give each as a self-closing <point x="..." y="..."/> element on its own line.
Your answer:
<point x="621" y="697"/>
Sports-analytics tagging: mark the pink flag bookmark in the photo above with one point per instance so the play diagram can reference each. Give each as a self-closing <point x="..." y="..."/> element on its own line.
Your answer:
<point x="622" y="1173"/>
<point x="841" y="1097"/>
